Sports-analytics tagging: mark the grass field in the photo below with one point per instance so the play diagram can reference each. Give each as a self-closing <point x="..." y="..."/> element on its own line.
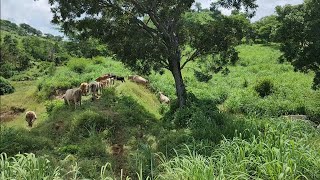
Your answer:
<point x="228" y="131"/>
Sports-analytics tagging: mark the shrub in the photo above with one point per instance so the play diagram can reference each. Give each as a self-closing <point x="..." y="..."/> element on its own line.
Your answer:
<point x="98" y="60"/>
<point x="5" y="86"/>
<point x="69" y="149"/>
<point x="78" y="64"/>
<point x="264" y="87"/>
<point x="51" y="105"/>
<point x="7" y="70"/>
<point x="163" y="108"/>
<point x="202" y="77"/>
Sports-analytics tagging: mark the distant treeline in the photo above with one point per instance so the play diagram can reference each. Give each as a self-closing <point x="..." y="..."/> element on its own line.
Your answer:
<point x="24" y="29"/>
<point x="22" y="45"/>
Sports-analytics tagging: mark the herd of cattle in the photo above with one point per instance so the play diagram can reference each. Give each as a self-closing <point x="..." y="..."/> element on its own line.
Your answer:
<point x="73" y="96"/>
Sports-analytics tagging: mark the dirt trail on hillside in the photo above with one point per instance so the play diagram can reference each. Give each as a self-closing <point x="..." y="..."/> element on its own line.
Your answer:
<point x="10" y="114"/>
<point x="118" y="151"/>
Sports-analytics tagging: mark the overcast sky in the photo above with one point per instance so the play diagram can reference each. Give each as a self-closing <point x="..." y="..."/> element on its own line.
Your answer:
<point x="38" y="15"/>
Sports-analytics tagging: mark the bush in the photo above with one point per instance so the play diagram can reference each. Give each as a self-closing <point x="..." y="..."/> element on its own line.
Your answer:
<point x="5" y="86"/>
<point x="78" y="65"/>
<point x="202" y="77"/>
<point x="69" y="149"/>
<point x="98" y="60"/>
<point x="7" y="70"/>
<point x="52" y="105"/>
<point x="264" y="87"/>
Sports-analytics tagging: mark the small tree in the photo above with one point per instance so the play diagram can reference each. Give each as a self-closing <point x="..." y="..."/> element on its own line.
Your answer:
<point x="198" y="6"/>
<point x="148" y="34"/>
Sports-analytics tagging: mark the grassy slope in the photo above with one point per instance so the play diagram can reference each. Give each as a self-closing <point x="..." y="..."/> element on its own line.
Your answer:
<point x="257" y="62"/>
<point x="133" y="114"/>
<point x="142" y="95"/>
<point x="24" y="96"/>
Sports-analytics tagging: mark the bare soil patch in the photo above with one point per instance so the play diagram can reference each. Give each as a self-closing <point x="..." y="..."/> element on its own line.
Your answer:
<point x="10" y="114"/>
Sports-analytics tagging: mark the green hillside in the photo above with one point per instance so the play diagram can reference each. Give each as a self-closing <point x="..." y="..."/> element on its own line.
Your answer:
<point x="238" y="109"/>
<point x="292" y="93"/>
<point x="128" y="128"/>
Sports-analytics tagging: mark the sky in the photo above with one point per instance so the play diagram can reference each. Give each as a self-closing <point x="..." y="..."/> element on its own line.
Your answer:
<point x="38" y="14"/>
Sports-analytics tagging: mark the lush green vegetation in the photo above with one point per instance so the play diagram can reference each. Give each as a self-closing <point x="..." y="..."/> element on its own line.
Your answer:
<point x="233" y="123"/>
<point x="5" y="86"/>
<point x="130" y="115"/>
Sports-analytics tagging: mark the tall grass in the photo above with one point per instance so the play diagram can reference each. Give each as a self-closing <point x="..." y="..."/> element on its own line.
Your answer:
<point x="280" y="151"/>
<point x="27" y="166"/>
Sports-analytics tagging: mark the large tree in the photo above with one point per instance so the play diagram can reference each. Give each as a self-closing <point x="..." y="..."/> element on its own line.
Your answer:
<point x="149" y="34"/>
<point x="299" y="32"/>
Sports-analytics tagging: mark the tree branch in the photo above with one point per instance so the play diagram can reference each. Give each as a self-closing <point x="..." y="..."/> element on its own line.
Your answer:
<point x="191" y="58"/>
<point x="144" y="26"/>
<point x="153" y="18"/>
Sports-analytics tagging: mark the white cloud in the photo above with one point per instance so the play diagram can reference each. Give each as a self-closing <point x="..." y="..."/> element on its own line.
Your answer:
<point x="266" y="7"/>
<point x="38" y="15"/>
<point x="35" y="13"/>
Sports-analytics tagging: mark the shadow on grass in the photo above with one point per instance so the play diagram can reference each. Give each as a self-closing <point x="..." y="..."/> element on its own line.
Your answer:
<point x="273" y="46"/>
<point x="202" y="126"/>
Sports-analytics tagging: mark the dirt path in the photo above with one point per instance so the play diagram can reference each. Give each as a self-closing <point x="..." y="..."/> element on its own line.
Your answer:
<point x="118" y="151"/>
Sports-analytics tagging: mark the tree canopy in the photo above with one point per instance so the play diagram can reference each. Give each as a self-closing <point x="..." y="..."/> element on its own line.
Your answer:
<point x="148" y="34"/>
<point x="265" y="29"/>
<point x="299" y="32"/>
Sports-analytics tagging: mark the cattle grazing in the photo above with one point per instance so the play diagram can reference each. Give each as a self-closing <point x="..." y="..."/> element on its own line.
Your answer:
<point x="109" y="81"/>
<point x="73" y="96"/>
<point x="95" y="97"/>
<point x="120" y="78"/>
<point x="104" y="83"/>
<point x="30" y="117"/>
<point x="111" y="75"/>
<point x="84" y="88"/>
<point x="104" y="77"/>
<point x="163" y="98"/>
<point x="138" y="79"/>
<point x="131" y="77"/>
<point x="100" y="87"/>
<point x="94" y="87"/>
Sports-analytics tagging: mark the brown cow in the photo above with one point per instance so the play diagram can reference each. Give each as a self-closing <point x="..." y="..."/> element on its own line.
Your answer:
<point x="102" y="78"/>
<point x="30" y="117"/>
<point x="84" y="88"/>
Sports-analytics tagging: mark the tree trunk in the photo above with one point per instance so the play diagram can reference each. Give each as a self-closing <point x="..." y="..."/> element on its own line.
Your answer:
<point x="175" y="69"/>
